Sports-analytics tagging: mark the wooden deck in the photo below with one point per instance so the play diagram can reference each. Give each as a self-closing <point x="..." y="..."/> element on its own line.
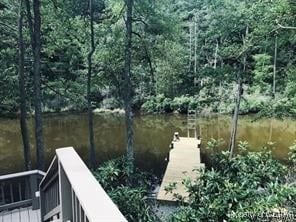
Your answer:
<point x="20" y="215"/>
<point x="183" y="159"/>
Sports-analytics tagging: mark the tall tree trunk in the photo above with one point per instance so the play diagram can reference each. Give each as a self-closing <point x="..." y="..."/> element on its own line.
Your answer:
<point x="195" y="45"/>
<point x="274" y="66"/>
<point x="190" y="44"/>
<point x="215" y="67"/>
<point x="238" y="100"/>
<point x="37" y="86"/>
<point x="35" y="33"/>
<point x="127" y="86"/>
<point x="152" y="74"/>
<point x="23" y="109"/>
<point x="235" y="116"/>
<point x="92" y="152"/>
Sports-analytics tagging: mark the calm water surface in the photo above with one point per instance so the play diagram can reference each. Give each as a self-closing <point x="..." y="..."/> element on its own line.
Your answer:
<point x="152" y="136"/>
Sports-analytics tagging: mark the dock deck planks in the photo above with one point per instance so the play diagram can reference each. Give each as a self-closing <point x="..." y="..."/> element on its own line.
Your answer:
<point x="20" y="215"/>
<point x="184" y="158"/>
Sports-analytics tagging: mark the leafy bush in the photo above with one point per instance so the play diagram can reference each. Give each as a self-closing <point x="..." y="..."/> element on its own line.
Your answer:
<point x="154" y="104"/>
<point x="161" y="104"/>
<point x="132" y="203"/>
<point x="280" y="107"/>
<point x="249" y="182"/>
<point x="128" y="192"/>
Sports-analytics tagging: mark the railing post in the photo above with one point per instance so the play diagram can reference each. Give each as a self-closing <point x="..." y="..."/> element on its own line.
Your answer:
<point x="33" y="188"/>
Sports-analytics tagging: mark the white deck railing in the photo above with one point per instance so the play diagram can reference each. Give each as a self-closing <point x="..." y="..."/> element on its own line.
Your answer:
<point x="69" y="192"/>
<point x="18" y="190"/>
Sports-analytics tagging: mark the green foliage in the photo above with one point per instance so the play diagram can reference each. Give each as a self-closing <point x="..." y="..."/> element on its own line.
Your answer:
<point x="249" y="182"/>
<point x="160" y="104"/>
<point x="281" y="107"/>
<point x="127" y="191"/>
<point x="132" y="203"/>
<point x="263" y="72"/>
<point x="169" y="73"/>
<point x="213" y="145"/>
<point x="292" y="154"/>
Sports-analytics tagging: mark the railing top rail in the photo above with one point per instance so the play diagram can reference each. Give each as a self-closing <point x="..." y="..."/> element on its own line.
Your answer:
<point x="21" y="174"/>
<point x="93" y="199"/>
<point x="52" y="167"/>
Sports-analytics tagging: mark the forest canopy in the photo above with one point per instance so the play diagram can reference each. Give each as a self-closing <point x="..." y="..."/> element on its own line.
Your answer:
<point x="184" y="54"/>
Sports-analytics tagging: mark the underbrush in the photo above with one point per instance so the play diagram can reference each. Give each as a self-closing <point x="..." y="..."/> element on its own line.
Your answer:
<point x="248" y="187"/>
<point x="127" y="191"/>
<point x="264" y="106"/>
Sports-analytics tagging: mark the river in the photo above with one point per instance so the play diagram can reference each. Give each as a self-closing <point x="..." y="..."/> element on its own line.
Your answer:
<point x="153" y="134"/>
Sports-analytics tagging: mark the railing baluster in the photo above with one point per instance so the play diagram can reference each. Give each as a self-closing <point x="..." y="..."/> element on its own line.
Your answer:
<point x="51" y="197"/>
<point x="72" y="192"/>
<point x="79" y="212"/>
<point x="20" y="191"/>
<point x="27" y="188"/>
<point x="2" y="193"/>
<point x="11" y="193"/>
<point x="82" y="215"/>
<point x="76" y="211"/>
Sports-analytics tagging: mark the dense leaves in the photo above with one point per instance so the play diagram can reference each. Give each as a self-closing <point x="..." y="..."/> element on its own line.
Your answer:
<point x="127" y="191"/>
<point x="181" y="49"/>
<point x="250" y="182"/>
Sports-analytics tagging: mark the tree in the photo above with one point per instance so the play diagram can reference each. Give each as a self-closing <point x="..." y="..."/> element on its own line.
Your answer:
<point x="238" y="98"/>
<point x="23" y="109"/>
<point x="35" y="34"/>
<point x="127" y="95"/>
<point x="92" y="153"/>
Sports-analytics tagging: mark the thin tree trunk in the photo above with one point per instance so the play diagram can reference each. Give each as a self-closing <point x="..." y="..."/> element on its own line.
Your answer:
<point x="274" y="66"/>
<point x="215" y="66"/>
<point x="23" y="109"/>
<point x="235" y="116"/>
<point x="190" y="44"/>
<point x="37" y="86"/>
<point x="35" y="33"/>
<point x="238" y="100"/>
<point x="216" y="55"/>
<point x="195" y="46"/>
<point x="92" y="152"/>
<point x="30" y="22"/>
<point x="152" y="74"/>
<point x="127" y="87"/>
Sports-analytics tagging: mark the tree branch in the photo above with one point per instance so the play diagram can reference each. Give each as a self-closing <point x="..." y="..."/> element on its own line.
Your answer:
<point x="286" y="27"/>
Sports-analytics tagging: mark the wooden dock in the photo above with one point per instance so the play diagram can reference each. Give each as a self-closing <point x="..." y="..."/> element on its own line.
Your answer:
<point x="184" y="158"/>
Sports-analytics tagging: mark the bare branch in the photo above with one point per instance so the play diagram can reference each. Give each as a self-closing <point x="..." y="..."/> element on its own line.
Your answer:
<point x="286" y="27"/>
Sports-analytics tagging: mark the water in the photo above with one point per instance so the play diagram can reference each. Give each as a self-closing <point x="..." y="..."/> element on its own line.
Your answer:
<point x="153" y="135"/>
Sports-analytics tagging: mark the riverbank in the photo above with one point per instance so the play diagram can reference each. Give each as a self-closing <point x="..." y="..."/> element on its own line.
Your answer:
<point x="263" y="106"/>
<point x="254" y="103"/>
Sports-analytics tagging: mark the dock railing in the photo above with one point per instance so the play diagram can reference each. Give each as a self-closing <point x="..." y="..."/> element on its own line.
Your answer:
<point x="19" y="190"/>
<point x="70" y="193"/>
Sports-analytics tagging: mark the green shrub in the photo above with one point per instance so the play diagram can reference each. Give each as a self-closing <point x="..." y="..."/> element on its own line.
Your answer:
<point x="249" y="182"/>
<point x="132" y="203"/>
<point x="127" y="192"/>
<point x="181" y="104"/>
